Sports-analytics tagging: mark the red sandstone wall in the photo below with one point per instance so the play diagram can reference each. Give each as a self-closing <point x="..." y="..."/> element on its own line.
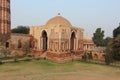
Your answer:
<point x="5" y="22"/>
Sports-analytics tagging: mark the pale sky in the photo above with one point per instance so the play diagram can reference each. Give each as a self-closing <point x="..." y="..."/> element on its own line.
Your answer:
<point x="86" y="14"/>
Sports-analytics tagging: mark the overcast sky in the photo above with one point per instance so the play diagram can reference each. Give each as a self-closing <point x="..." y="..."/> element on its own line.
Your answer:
<point x="87" y="14"/>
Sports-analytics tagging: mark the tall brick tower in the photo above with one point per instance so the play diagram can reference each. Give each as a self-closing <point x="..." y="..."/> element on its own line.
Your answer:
<point x="5" y="21"/>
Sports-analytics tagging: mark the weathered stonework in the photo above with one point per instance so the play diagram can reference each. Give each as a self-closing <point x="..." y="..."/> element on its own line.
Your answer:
<point x="5" y="21"/>
<point x="19" y="41"/>
<point x="58" y="40"/>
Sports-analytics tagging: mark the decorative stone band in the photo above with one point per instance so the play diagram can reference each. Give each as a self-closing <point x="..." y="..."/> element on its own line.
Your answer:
<point x="8" y="1"/>
<point x="5" y="8"/>
<point x="5" y="22"/>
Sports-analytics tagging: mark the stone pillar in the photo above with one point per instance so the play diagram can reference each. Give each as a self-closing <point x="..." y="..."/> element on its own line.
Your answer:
<point x="75" y="44"/>
<point x="52" y="46"/>
<point x="41" y="43"/>
<point x="59" y="45"/>
<point x="49" y="45"/>
<point x="69" y="44"/>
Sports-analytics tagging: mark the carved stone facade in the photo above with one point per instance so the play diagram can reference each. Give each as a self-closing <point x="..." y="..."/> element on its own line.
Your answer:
<point x="98" y="53"/>
<point x="57" y="39"/>
<point x="88" y="44"/>
<point x="5" y="21"/>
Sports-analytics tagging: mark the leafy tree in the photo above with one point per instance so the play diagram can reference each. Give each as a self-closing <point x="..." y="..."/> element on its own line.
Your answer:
<point x="113" y="49"/>
<point x="98" y="37"/>
<point x="116" y="43"/>
<point x="116" y="31"/>
<point x="107" y="40"/>
<point x="21" y="29"/>
<point x="109" y="54"/>
<point x="108" y="58"/>
<point x="116" y="48"/>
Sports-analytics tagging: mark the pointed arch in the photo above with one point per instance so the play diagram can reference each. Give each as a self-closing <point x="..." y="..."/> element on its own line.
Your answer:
<point x="45" y="40"/>
<point x="72" y="41"/>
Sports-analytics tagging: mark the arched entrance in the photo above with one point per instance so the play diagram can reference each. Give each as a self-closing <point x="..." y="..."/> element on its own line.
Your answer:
<point x="45" y="40"/>
<point x="72" y="41"/>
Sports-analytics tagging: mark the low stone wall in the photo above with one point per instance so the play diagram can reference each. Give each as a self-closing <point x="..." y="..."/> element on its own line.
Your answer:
<point x="59" y="57"/>
<point x="63" y="57"/>
<point x="55" y="55"/>
<point x="37" y="53"/>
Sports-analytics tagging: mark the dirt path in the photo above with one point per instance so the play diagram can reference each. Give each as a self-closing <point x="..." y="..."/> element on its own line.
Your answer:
<point x="57" y="76"/>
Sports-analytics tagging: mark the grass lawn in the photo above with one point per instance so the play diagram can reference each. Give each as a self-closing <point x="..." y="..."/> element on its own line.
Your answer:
<point x="48" y="70"/>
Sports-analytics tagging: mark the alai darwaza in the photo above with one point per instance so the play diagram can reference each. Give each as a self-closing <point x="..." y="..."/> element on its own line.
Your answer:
<point x="57" y="40"/>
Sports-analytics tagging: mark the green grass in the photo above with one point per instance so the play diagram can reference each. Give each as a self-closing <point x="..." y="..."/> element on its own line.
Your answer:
<point x="17" y="57"/>
<point x="48" y="70"/>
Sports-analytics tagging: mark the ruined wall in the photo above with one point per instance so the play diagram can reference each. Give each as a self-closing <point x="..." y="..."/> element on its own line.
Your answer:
<point x="19" y="40"/>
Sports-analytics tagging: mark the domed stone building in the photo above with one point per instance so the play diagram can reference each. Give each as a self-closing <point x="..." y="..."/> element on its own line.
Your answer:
<point x="57" y="40"/>
<point x="88" y="44"/>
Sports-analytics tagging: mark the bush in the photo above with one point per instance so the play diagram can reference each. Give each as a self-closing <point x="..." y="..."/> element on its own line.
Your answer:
<point x="108" y="58"/>
<point x="84" y="57"/>
<point x="1" y="62"/>
<point x="90" y="57"/>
